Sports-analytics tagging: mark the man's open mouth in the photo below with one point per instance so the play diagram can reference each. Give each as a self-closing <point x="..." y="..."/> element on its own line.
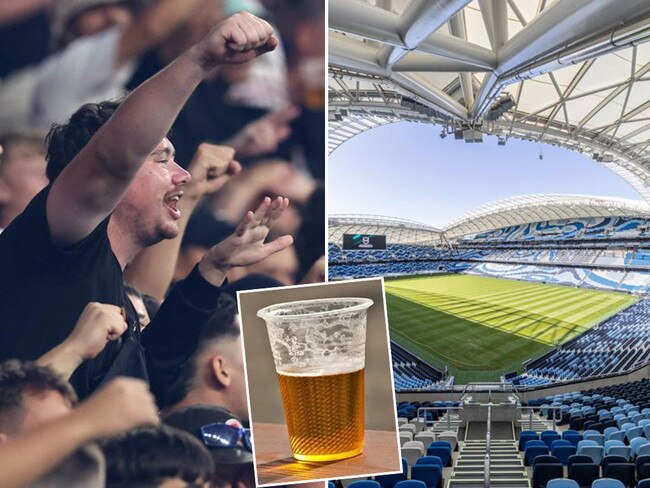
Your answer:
<point x="171" y="202"/>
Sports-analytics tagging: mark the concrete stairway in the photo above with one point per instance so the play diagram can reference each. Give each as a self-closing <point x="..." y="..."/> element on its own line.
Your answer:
<point x="506" y="467"/>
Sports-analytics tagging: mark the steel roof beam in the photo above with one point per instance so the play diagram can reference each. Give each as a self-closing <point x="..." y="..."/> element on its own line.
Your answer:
<point x="415" y="61"/>
<point x="457" y="27"/>
<point x="348" y="53"/>
<point x="423" y="17"/>
<point x="495" y="18"/>
<point x="364" y="20"/>
<point x="589" y="29"/>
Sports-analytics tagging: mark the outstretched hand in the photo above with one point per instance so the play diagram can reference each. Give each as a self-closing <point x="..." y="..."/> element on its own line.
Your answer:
<point x="238" y="39"/>
<point x="246" y="245"/>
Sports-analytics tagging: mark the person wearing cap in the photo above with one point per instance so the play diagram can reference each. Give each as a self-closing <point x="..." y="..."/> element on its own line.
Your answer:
<point x="225" y="438"/>
<point x="99" y="43"/>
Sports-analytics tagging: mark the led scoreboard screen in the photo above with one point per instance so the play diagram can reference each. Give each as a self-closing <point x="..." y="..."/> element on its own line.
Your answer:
<point x="364" y="242"/>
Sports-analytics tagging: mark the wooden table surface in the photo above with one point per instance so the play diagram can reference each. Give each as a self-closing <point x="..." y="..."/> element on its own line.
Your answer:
<point x="276" y="465"/>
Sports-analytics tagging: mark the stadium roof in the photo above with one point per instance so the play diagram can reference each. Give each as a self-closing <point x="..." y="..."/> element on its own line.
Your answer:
<point x="506" y="212"/>
<point x="395" y="230"/>
<point x="574" y="73"/>
<point x="538" y="208"/>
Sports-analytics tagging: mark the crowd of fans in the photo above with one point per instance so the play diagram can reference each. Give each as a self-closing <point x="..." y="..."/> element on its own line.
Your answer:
<point x="156" y="156"/>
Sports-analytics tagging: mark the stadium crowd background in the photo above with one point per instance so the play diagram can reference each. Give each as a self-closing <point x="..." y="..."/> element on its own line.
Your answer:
<point x="248" y="132"/>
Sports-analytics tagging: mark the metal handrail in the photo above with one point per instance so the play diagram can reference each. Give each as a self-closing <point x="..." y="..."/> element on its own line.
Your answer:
<point x="488" y="435"/>
<point x="532" y="409"/>
<point x="425" y="409"/>
<point x="462" y="393"/>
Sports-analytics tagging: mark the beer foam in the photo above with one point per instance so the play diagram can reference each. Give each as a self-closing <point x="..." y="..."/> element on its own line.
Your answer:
<point x="330" y="342"/>
<point x="315" y="371"/>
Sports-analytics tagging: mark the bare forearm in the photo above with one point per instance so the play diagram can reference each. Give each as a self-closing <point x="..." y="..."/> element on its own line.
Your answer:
<point x="62" y="359"/>
<point x="25" y="458"/>
<point x="152" y="270"/>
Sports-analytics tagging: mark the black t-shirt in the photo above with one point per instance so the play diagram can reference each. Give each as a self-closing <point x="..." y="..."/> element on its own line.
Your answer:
<point x="43" y="290"/>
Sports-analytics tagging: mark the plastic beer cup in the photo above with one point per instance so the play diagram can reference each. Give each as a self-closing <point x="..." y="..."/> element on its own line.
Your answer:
<point x="319" y="352"/>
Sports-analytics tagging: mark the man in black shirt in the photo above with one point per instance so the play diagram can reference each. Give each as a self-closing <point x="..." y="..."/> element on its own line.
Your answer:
<point x="114" y="190"/>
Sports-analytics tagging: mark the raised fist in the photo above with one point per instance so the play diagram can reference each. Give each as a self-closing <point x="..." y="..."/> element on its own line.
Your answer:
<point x="211" y="167"/>
<point x="238" y="39"/>
<point x="98" y="324"/>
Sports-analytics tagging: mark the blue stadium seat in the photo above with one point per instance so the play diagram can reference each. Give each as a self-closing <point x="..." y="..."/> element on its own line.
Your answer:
<point x="389" y="480"/>
<point x="430" y="474"/>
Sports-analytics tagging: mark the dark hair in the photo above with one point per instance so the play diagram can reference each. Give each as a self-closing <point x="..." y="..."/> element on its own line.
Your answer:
<point x="221" y="325"/>
<point x="18" y="378"/>
<point x="152" y="305"/>
<point x="145" y="457"/>
<point x="65" y="141"/>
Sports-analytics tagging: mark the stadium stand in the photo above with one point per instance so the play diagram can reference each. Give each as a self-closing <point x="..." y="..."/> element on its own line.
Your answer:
<point x="411" y="373"/>
<point x="619" y="344"/>
<point x="609" y="253"/>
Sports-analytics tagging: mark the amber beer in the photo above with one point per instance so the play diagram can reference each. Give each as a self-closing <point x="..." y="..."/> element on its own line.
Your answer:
<point x="325" y="414"/>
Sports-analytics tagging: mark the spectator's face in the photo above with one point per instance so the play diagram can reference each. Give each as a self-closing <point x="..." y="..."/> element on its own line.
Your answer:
<point x="141" y="310"/>
<point x="100" y="18"/>
<point x="149" y="209"/>
<point x="43" y="407"/>
<point x="22" y="176"/>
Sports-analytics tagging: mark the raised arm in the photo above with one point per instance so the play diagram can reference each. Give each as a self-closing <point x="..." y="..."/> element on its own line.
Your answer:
<point x="123" y="404"/>
<point x="91" y="186"/>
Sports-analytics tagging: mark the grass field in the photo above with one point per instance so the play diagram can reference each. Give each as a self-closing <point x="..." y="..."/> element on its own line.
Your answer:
<point x="482" y="327"/>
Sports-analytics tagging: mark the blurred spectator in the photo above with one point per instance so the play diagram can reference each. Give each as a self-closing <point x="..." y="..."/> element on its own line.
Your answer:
<point x="312" y="231"/>
<point x="31" y="395"/>
<point x="282" y="267"/>
<point x="156" y="458"/>
<point x="214" y="374"/>
<point x="22" y="172"/>
<point x="101" y="42"/>
<point x="217" y="112"/>
<point x="233" y="460"/>
<point x="139" y="304"/>
<point x="226" y="207"/>
<point x="27" y="457"/>
<point x="23" y="23"/>
<point x="302" y="25"/>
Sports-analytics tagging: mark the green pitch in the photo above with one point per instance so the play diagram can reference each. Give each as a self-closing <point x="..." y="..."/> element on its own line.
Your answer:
<point x="482" y="327"/>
